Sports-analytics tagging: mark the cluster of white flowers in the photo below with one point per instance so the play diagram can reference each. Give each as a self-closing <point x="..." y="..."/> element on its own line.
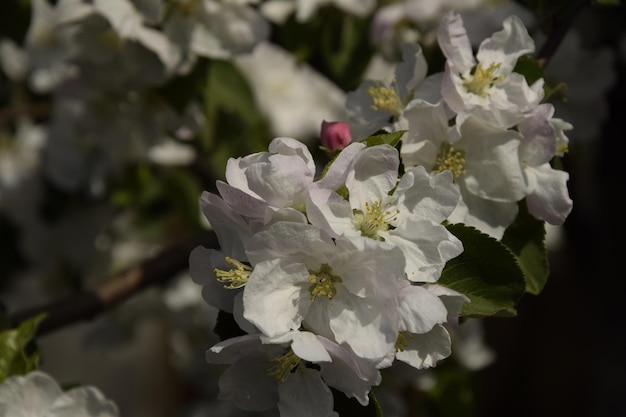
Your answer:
<point x="478" y="119"/>
<point x="333" y="277"/>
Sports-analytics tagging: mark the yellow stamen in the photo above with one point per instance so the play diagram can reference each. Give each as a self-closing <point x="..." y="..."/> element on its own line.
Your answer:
<point x="236" y="277"/>
<point x="386" y="99"/>
<point x="283" y="366"/>
<point x="323" y="283"/>
<point x="450" y="159"/>
<point x="481" y="79"/>
<point x="375" y="219"/>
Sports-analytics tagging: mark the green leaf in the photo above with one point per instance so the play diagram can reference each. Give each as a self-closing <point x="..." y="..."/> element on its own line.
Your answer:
<point x="392" y="139"/>
<point x="486" y="272"/>
<point x="529" y="68"/>
<point x="526" y="240"/>
<point x="558" y="92"/>
<point x="16" y="355"/>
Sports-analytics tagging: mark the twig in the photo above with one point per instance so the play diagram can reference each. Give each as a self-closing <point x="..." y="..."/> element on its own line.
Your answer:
<point x="560" y="26"/>
<point x="88" y="304"/>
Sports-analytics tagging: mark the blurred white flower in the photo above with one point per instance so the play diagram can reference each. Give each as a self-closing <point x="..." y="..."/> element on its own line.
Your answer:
<point x="37" y="394"/>
<point x="278" y="11"/>
<point x="293" y="96"/>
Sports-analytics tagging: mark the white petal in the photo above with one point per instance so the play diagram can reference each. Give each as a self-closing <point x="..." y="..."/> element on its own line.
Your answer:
<point x="201" y="269"/>
<point x="550" y="200"/>
<point x="425" y="350"/>
<point x="304" y="394"/>
<point x="83" y="402"/>
<point x="420" y="310"/>
<point x="29" y="395"/>
<point x="230" y="228"/>
<point x="373" y="174"/>
<point x="247" y="383"/>
<point x="454" y="43"/>
<point x="505" y="46"/>
<point x="276" y="297"/>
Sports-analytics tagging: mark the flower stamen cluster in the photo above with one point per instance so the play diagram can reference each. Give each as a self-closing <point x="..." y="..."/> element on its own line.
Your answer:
<point x="450" y="159"/>
<point x="283" y="366"/>
<point x="481" y="79"/>
<point x="323" y="283"/>
<point x="374" y="220"/>
<point x="385" y="98"/>
<point x="237" y="277"/>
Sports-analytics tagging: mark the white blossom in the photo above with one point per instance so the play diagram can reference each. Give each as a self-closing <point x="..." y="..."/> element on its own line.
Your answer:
<point x="486" y="84"/>
<point x="406" y="214"/>
<point x="37" y="394"/>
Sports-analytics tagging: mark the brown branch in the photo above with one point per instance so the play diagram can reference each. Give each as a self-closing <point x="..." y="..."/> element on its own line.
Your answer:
<point x="559" y="26"/>
<point x="88" y="304"/>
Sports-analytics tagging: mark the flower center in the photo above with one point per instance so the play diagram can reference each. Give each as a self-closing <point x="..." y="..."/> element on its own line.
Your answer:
<point x="283" y="366"/>
<point x="480" y="79"/>
<point x="323" y="283"/>
<point x="401" y="342"/>
<point x="237" y="277"/>
<point x="375" y="219"/>
<point x="450" y="159"/>
<point x="386" y="99"/>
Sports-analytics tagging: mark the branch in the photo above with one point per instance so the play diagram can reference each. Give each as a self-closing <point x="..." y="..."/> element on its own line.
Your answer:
<point x="559" y="25"/>
<point x="88" y="304"/>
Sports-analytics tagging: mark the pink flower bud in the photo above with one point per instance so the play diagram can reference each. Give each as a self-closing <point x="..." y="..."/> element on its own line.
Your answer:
<point x="335" y="135"/>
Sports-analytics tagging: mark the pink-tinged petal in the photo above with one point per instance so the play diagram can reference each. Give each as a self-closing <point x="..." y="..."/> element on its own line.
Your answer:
<point x="550" y="200"/>
<point x="240" y="201"/>
<point x="231" y="230"/>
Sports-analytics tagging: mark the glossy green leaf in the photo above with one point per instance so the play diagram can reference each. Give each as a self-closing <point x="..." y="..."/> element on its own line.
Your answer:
<point x="487" y="272"/>
<point x="391" y="139"/>
<point x="526" y="240"/>
<point x="16" y="355"/>
<point x="529" y="68"/>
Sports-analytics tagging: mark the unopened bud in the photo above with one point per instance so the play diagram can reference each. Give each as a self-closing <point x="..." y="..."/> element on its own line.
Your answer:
<point x="335" y="135"/>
